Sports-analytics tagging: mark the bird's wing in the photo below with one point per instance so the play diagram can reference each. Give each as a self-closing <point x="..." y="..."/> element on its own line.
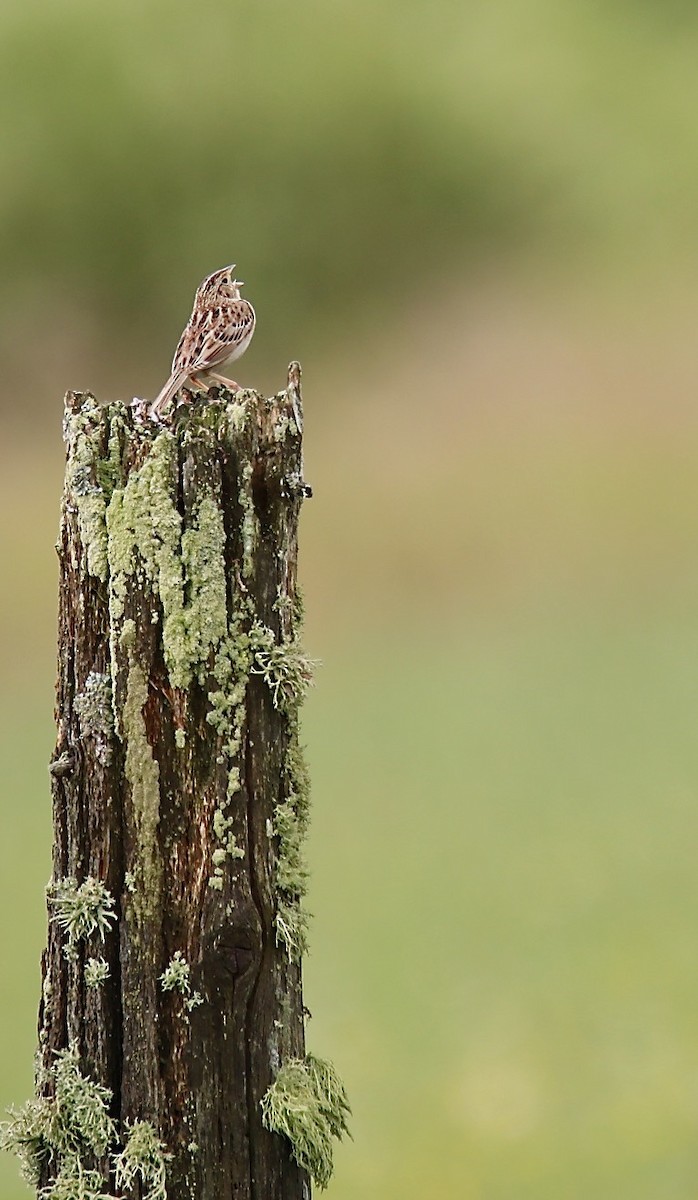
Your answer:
<point x="210" y="341"/>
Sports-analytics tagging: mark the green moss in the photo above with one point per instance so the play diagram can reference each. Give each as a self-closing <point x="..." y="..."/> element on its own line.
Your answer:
<point x="142" y="1161"/>
<point x="143" y="775"/>
<point x="81" y="910"/>
<point x="307" y="1104"/>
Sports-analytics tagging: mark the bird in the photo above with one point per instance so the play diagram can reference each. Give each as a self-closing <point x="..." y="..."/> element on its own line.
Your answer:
<point x="218" y="331"/>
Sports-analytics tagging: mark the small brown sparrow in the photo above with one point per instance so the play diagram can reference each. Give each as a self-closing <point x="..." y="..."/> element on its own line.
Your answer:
<point x="218" y="331"/>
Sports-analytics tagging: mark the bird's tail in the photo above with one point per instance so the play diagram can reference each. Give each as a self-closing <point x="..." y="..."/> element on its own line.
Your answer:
<point x="173" y="384"/>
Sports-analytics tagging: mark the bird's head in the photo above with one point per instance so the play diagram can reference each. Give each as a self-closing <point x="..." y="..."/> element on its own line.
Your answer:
<point x="221" y="285"/>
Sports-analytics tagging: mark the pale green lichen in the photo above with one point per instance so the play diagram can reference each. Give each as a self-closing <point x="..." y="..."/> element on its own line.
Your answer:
<point x="75" y="1182"/>
<point x="81" y="1118"/>
<point x="180" y="738"/>
<point x="203" y="558"/>
<point x="67" y="1129"/>
<point x="285" y="667"/>
<point x="228" y="847"/>
<point x="84" y="484"/>
<point x="231" y="671"/>
<point x="144" y="534"/>
<point x="185" y="568"/>
<point x="143" y="775"/>
<point x="26" y="1134"/>
<point x="177" y="978"/>
<point x="81" y="910"/>
<point x="290" y="825"/>
<point x="307" y="1103"/>
<point x="142" y="1161"/>
<point x="238" y="412"/>
<point x="227" y="715"/>
<point x="94" y="708"/>
<point x="96" y="972"/>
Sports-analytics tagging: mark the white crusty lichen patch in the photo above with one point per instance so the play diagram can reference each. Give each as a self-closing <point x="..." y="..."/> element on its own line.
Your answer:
<point x="307" y="1104"/>
<point x="94" y="708"/>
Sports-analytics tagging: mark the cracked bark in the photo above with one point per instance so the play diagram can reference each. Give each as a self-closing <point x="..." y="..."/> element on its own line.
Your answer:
<point x="197" y="1075"/>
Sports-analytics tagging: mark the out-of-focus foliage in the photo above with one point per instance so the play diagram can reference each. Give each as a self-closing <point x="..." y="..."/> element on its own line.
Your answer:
<point x="342" y="151"/>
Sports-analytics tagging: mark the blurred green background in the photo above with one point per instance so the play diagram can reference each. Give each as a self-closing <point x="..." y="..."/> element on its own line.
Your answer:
<point x="477" y="227"/>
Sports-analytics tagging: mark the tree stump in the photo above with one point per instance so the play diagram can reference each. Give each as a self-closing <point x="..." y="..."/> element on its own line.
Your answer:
<point x="171" y="1031"/>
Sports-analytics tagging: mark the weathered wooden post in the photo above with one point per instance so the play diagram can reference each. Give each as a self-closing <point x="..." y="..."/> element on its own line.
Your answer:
<point x="171" y="1033"/>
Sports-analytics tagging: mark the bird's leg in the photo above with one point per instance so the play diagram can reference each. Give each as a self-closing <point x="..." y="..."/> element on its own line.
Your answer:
<point x="231" y="385"/>
<point x="198" y="382"/>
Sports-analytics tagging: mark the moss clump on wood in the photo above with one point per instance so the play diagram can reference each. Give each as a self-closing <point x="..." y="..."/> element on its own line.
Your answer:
<point x="81" y="910"/>
<point x="307" y="1103"/>
<point x="71" y="1129"/>
<point x="285" y="667"/>
<point x="177" y="978"/>
<point x="84" y="482"/>
<point x="142" y="1161"/>
<point x="68" y="1129"/>
<point x="96" y="972"/>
